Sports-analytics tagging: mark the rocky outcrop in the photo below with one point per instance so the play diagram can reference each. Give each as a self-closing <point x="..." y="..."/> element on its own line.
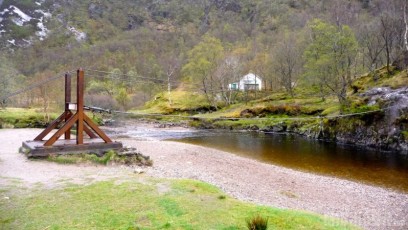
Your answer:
<point x="384" y="129"/>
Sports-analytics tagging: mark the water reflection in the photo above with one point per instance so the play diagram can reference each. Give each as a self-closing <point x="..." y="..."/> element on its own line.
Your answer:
<point x="384" y="169"/>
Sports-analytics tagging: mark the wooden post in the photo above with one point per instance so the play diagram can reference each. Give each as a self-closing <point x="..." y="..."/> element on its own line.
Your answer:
<point x="82" y="121"/>
<point x="68" y="113"/>
<point x="80" y="107"/>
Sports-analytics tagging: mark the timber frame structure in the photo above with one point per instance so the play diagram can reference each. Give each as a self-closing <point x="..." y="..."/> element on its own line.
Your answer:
<point x="98" y="142"/>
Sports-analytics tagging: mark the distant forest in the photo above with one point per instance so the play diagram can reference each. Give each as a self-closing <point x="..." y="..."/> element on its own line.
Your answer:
<point x="144" y="46"/>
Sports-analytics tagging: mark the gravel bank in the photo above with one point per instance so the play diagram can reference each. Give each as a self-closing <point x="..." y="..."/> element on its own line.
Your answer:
<point x="250" y="180"/>
<point x="246" y="179"/>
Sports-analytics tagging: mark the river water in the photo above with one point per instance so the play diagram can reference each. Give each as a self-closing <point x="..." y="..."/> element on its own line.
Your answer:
<point x="388" y="170"/>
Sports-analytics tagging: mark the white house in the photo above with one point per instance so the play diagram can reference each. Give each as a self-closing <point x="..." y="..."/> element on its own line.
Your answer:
<point x="247" y="82"/>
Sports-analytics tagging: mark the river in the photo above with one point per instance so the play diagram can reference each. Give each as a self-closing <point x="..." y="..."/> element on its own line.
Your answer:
<point x="388" y="170"/>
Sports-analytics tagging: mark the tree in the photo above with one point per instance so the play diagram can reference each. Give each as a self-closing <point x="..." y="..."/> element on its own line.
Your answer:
<point x="228" y="71"/>
<point x="170" y="62"/>
<point x="287" y="62"/>
<point x="122" y="98"/>
<point x="329" y="57"/>
<point x="388" y="35"/>
<point x="260" y="65"/>
<point x="7" y="79"/>
<point x="108" y="84"/>
<point x="392" y="29"/>
<point x="372" y="44"/>
<point x="202" y="63"/>
<point x="48" y="93"/>
<point x="406" y="26"/>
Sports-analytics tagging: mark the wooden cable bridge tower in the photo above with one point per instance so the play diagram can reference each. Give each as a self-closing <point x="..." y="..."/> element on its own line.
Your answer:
<point x="74" y="115"/>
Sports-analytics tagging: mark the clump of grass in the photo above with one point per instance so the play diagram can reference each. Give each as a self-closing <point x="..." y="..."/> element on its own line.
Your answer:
<point x="105" y="159"/>
<point x="63" y="159"/>
<point x="361" y="108"/>
<point x="222" y="197"/>
<point x="257" y="223"/>
<point x="405" y="135"/>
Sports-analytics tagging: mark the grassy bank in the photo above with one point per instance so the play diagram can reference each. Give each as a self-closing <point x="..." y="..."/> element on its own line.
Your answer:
<point x="24" y="118"/>
<point x="306" y="102"/>
<point x="32" y="118"/>
<point x="147" y="204"/>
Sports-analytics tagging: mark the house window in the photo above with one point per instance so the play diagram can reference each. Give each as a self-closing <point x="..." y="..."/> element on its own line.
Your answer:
<point x="234" y="86"/>
<point x="251" y="86"/>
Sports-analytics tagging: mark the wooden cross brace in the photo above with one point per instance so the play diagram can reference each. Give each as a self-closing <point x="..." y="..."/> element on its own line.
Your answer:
<point x="82" y="121"/>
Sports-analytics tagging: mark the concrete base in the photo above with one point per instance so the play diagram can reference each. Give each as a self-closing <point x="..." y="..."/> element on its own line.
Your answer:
<point x="60" y="147"/>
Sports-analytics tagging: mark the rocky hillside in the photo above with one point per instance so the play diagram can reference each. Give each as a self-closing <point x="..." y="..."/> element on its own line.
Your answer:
<point x="24" y="22"/>
<point x="309" y="55"/>
<point x="377" y="117"/>
<point x="385" y="129"/>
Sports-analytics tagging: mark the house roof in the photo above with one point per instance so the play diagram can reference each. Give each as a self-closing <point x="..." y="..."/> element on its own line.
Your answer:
<point x="251" y="75"/>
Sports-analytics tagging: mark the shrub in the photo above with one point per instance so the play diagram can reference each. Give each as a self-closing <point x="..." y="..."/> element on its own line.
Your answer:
<point x="21" y="32"/>
<point x="257" y="223"/>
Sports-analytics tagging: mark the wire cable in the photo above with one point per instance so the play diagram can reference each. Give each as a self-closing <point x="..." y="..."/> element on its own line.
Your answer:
<point x="35" y="85"/>
<point x="245" y="118"/>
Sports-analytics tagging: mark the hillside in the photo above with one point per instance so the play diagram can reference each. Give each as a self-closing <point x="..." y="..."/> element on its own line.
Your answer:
<point x="309" y="55"/>
<point x="376" y="116"/>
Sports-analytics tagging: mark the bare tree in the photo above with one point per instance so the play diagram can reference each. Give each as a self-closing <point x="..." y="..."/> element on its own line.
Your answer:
<point x="287" y="63"/>
<point x="391" y="29"/>
<point x="171" y="65"/>
<point x="372" y="44"/>
<point x="388" y="36"/>
<point x="7" y="79"/>
<point x="228" y="72"/>
<point x="406" y="26"/>
<point x="47" y="93"/>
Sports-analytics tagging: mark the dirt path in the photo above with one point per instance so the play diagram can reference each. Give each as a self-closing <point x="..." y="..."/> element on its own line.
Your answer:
<point x="245" y="179"/>
<point x="17" y="170"/>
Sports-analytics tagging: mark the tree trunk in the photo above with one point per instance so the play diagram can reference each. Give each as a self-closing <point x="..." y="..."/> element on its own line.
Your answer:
<point x="406" y="26"/>
<point x="169" y="88"/>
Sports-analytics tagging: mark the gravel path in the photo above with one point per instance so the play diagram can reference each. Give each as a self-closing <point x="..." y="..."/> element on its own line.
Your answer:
<point x="17" y="170"/>
<point x="245" y="179"/>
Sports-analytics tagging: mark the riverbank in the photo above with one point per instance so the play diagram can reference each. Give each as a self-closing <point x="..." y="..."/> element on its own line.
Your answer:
<point x="245" y="179"/>
<point x="375" y="115"/>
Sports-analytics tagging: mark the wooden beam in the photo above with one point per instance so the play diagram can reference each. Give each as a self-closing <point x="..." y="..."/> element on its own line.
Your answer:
<point x="83" y="122"/>
<point x="50" y="127"/>
<point x="68" y="113"/>
<point x="89" y="132"/>
<point x="80" y="107"/>
<point x="96" y="129"/>
<point x="71" y="121"/>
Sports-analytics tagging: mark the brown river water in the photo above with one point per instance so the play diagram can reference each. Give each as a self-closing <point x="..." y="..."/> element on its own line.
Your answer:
<point x="389" y="170"/>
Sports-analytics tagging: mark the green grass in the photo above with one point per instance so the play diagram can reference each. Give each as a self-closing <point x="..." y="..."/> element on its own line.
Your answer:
<point x="81" y="158"/>
<point x="381" y="78"/>
<point x="108" y="157"/>
<point x="405" y="135"/>
<point x="31" y="118"/>
<point x="23" y="118"/>
<point x="181" y="101"/>
<point x="185" y="204"/>
<point x="274" y="104"/>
